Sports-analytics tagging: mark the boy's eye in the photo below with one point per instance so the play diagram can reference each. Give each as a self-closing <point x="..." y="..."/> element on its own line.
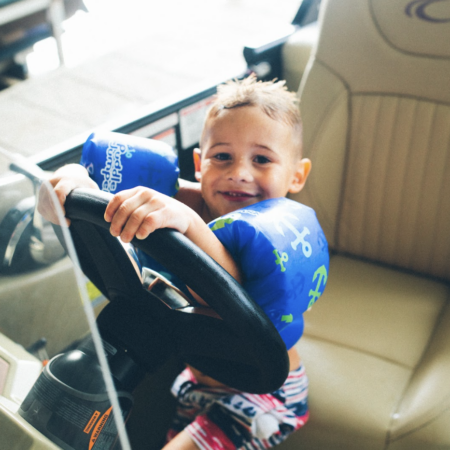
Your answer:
<point x="261" y="159"/>
<point x="222" y="156"/>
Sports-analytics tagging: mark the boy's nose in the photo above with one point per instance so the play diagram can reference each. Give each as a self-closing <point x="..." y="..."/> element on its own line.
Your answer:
<point x="240" y="172"/>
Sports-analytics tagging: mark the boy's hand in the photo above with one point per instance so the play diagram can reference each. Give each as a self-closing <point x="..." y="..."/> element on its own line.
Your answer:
<point x="64" y="180"/>
<point x="140" y="211"/>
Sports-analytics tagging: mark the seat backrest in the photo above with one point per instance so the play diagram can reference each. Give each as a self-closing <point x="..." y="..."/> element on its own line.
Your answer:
<point x="375" y="101"/>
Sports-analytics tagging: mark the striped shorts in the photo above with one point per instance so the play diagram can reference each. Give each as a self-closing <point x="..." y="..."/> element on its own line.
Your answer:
<point x="227" y="419"/>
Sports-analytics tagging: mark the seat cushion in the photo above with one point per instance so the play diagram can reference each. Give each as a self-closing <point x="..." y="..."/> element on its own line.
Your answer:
<point x="363" y="342"/>
<point x="425" y="406"/>
<point x="377" y="310"/>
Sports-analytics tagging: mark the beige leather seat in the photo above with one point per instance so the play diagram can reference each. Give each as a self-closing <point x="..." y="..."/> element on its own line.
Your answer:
<point x="375" y="101"/>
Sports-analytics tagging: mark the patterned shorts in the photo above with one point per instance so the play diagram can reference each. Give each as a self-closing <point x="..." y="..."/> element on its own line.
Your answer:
<point x="227" y="419"/>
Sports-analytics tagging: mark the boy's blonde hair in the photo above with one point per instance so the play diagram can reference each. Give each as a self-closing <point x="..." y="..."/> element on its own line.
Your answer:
<point x="272" y="97"/>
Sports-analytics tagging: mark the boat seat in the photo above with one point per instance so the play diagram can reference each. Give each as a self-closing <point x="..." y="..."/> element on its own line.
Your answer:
<point x="296" y="52"/>
<point x="375" y="102"/>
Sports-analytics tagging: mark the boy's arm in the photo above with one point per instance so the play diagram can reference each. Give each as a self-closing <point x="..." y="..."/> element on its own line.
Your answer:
<point x="72" y="176"/>
<point x="140" y="211"/>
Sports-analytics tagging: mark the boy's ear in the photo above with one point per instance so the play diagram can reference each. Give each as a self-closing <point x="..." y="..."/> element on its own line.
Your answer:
<point x="197" y="163"/>
<point x="300" y="176"/>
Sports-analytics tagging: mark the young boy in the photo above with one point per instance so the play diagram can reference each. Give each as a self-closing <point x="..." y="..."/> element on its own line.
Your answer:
<point x="250" y="150"/>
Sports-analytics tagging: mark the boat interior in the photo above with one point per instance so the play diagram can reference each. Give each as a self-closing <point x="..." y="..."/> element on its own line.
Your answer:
<point x="372" y="78"/>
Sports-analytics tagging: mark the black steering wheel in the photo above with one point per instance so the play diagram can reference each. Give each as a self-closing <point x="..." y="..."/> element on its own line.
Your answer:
<point x="241" y="348"/>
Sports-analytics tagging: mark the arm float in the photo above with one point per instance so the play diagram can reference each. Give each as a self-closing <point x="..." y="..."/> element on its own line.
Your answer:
<point x="118" y="161"/>
<point x="284" y="258"/>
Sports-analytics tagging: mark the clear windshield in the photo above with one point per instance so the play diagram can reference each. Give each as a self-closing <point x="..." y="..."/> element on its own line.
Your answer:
<point x="53" y="367"/>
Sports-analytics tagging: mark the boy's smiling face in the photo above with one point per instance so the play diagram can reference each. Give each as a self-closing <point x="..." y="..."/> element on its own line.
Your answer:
<point x="247" y="157"/>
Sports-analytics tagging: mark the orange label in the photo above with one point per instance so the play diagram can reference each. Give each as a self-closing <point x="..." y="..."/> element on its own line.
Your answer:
<point x="91" y="422"/>
<point x="99" y="427"/>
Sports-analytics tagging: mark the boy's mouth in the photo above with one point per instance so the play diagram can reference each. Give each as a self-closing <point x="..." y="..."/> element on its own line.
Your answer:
<point x="237" y="196"/>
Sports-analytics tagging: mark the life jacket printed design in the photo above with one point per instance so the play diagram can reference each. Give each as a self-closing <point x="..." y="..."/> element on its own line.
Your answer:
<point x="283" y="254"/>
